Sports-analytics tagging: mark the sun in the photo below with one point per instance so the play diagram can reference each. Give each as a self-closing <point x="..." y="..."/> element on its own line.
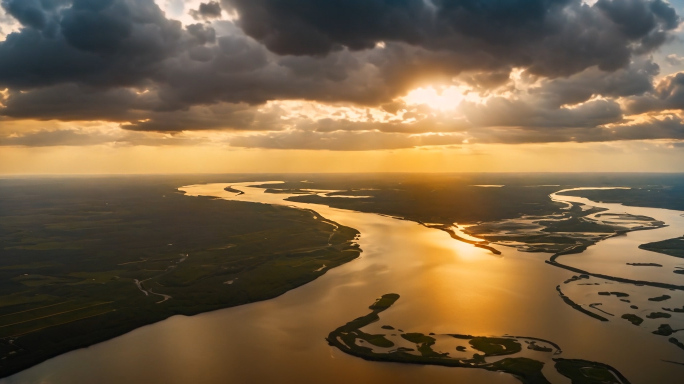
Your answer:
<point x="441" y="98"/>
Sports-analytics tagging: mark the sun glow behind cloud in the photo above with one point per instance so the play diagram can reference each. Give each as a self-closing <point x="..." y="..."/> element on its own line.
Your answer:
<point x="441" y="98"/>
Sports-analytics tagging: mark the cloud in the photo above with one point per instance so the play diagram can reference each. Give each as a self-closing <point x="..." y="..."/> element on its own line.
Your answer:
<point x="668" y="94"/>
<point x="674" y="59"/>
<point x="636" y="79"/>
<point x="100" y="43"/>
<point x="550" y="38"/>
<point x="503" y="112"/>
<point x="221" y="116"/>
<point x="73" y="137"/>
<point x="127" y="43"/>
<point x="45" y="138"/>
<point x="210" y="10"/>
<point x="670" y="127"/>
<point x="343" y="140"/>
<point x="585" y="100"/>
<point x="69" y="102"/>
<point x="426" y="124"/>
<point x="549" y="70"/>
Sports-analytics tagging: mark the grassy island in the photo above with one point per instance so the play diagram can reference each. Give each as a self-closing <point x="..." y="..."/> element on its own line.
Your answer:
<point x="233" y="190"/>
<point x="490" y="353"/>
<point x="673" y="247"/>
<point x="589" y="372"/>
<point x="632" y="318"/>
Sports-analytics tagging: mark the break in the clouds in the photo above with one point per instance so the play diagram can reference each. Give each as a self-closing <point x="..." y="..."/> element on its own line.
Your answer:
<point x="343" y="74"/>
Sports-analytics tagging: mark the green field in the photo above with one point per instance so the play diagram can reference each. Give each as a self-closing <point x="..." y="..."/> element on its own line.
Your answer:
<point x="589" y="372"/>
<point x="84" y="260"/>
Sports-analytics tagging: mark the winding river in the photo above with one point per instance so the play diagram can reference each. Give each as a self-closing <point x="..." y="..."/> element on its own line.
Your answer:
<point x="446" y="286"/>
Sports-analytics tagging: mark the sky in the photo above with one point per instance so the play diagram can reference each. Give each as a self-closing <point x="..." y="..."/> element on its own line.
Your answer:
<point x="186" y="86"/>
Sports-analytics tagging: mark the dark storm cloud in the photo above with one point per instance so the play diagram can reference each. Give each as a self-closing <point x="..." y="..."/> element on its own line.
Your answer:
<point x="105" y="43"/>
<point x="668" y="94"/>
<point x="70" y="102"/>
<point x="238" y="69"/>
<point x="219" y="116"/>
<point x="28" y="12"/>
<point x="671" y="91"/>
<point x="667" y="127"/>
<point x="502" y="112"/>
<point x="485" y="81"/>
<point x="636" y="79"/>
<point x="210" y="10"/>
<point x="126" y="42"/>
<point x="550" y="37"/>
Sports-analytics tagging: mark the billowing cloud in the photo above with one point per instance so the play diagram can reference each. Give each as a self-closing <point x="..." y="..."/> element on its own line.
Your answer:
<point x="668" y="94"/>
<point x="550" y="37"/>
<point x="103" y="43"/>
<point x="222" y="116"/>
<point x="636" y="79"/>
<point x="210" y="10"/>
<point x="70" y="102"/>
<point x="502" y="112"/>
<point x="528" y="70"/>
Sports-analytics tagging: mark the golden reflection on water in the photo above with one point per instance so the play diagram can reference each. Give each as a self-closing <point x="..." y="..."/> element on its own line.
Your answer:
<point x="459" y="287"/>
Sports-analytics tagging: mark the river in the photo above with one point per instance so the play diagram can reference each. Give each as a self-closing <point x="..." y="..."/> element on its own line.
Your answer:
<point x="446" y="286"/>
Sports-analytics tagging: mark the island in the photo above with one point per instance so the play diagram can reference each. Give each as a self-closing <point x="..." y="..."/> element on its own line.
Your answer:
<point x="501" y="353"/>
<point x="673" y="247"/>
<point x="233" y="190"/>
